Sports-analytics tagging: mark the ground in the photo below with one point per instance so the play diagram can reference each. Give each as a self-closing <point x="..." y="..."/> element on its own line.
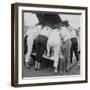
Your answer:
<point x="47" y="69"/>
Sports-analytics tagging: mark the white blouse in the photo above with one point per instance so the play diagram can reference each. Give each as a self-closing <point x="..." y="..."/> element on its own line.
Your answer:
<point x="45" y="31"/>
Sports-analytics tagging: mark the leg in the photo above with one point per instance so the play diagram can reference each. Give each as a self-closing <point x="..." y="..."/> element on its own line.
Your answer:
<point x="37" y="46"/>
<point x="78" y="44"/>
<point x="76" y="50"/>
<point x="67" y="54"/>
<point x="61" y="55"/>
<point x="30" y="45"/>
<point x="56" y="58"/>
<point x="40" y="47"/>
<point x="48" y="49"/>
<point x="62" y="61"/>
<point x="36" y="65"/>
<point x="71" y="53"/>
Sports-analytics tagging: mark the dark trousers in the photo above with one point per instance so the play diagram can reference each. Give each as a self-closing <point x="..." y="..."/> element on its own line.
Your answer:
<point x="40" y="45"/>
<point x="74" y="48"/>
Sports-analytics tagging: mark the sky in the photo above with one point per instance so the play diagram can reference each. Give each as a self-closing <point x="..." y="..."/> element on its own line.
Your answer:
<point x="31" y="19"/>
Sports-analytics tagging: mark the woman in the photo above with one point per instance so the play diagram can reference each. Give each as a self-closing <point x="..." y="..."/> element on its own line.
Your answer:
<point x="66" y="44"/>
<point x="74" y="46"/>
<point x="54" y="41"/>
<point x="32" y="34"/>
<point x="40" y="44"/>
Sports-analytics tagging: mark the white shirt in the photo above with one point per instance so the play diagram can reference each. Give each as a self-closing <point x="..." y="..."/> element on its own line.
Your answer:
<point x="33" y="32"/>
<point x="54" y="34"/>
<point x="45" y="31"/>
<point x="54" y="39"/>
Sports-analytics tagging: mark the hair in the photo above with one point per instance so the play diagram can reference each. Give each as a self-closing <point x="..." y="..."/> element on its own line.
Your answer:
<point x="55" y="26"/>
<point x="40" y="24"/>
<point x="66" y="23"/>
<point x="61" y="25"/>
<point x="79" y="28"/>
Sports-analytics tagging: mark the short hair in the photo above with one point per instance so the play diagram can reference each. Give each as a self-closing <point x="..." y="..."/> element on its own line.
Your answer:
<point x="55" y="26"/>
<point x="66" y="23"/>
<point x="40" y="24"/>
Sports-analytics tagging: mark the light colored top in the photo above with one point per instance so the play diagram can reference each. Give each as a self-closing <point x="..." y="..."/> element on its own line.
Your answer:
<point x="45" y="31"/>
<point x="65" y="34"/>
<point x="72" y="32"/>
<point x="33" y="32"/>
<point x="54" y="34"/>
<point x="54" y="39"/>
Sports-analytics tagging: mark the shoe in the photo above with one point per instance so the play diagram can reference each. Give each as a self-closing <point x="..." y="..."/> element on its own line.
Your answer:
<point x="27" y="65"/>
<point x="55" y="70"/>
<point x="36" y="63"/>
<point x="71" y="64"/>
<point x="61" y="56"/>
<point x="78" y="63"/>
<point x="35" y="69"/>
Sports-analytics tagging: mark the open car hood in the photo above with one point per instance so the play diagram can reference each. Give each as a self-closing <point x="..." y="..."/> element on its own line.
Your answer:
<point x="50" y="18"/>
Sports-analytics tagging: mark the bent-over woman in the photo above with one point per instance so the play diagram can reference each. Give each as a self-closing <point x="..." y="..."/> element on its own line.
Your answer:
<point x="40" y="45"/>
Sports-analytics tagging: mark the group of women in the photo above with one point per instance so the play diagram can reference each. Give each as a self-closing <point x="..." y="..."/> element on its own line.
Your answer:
<point x="58" y="36"/>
